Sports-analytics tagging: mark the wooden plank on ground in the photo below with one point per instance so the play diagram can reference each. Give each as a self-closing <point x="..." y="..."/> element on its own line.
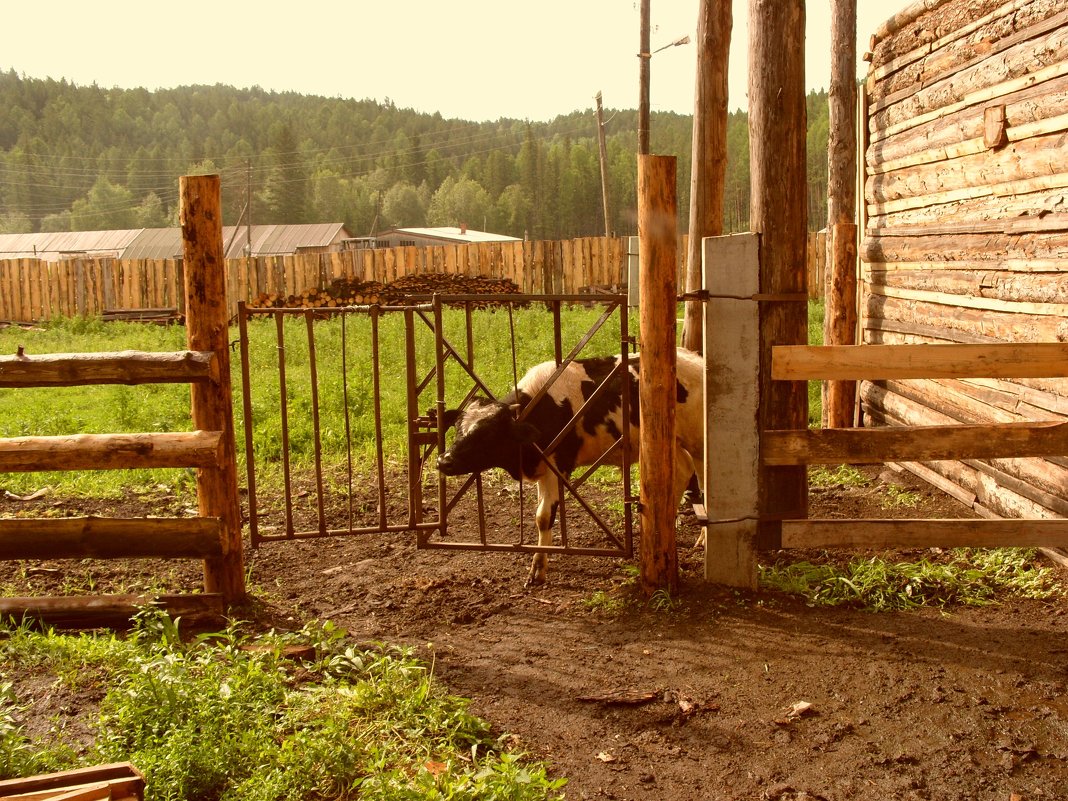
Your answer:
<point x="964" y="533"/>
<point x="120" y="779"/>
<point x="935" y="360"/>
<point x="914" y="443"/>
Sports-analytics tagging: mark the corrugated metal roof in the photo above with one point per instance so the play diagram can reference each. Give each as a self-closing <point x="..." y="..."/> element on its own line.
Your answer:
<point x="155" y="243"/>
<point x="452" y="234"/>
<point x="55" y="245"/>
<point x="166" y="243"/>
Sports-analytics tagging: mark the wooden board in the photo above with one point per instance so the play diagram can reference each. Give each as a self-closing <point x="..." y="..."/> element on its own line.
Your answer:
<point x="732" y="388"/>
<point x="965" y="533"/>
<point x="854" y="362"/>
<point x="913" y="443"/>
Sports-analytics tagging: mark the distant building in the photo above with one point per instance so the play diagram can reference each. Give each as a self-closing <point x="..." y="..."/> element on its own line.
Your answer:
<point x="402" y="237"/>
<point x="166" y="243"/>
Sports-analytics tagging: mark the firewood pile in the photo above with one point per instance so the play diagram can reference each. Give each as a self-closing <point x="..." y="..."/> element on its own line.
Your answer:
<point x="344" y="292"/>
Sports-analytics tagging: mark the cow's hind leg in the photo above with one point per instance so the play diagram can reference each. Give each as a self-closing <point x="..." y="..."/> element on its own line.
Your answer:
<point x="548" y="500"/>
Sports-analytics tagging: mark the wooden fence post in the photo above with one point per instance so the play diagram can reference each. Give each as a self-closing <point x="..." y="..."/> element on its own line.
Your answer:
<point x="841" y="319"/>
<point x="779" y="213"/>
<point x="212" y="403"/>
<point x="732" y="389"/>
<point x="658" y="248"/>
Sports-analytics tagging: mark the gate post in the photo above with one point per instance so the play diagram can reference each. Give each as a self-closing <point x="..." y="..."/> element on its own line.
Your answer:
<point x="731" y="267"/>
<point x="207" y="329"/>
<point x="657" y="233"/>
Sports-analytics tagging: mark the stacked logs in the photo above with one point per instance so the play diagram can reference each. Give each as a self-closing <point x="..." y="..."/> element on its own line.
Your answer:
<point x="344" y="292"/>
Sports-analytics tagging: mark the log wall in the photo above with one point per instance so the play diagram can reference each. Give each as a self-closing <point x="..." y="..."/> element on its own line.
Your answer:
<point x="966" y="224"/>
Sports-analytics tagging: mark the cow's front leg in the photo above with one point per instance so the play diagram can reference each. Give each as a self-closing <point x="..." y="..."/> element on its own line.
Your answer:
<point x="548" y="500"/>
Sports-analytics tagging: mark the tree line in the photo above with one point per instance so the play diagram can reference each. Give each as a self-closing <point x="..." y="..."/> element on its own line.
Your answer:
<point x="88" y="158"/>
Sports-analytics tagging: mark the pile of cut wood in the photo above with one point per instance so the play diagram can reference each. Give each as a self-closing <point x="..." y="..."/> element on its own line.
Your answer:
<point x="344" y="292"/>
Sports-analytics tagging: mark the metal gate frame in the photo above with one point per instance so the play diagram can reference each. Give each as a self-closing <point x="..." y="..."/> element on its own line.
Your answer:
<point x="423" y="436"/>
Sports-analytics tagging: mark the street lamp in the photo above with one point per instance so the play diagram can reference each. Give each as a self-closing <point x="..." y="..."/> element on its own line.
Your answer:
<point x="643" y="77"/>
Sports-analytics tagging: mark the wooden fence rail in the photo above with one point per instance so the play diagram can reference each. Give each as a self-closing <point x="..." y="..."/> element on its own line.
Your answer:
<point x="32" y="290"/>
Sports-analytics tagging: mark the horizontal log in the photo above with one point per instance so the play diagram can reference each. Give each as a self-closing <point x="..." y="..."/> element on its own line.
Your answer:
<point x="97" y="611"/>
<point x="986" y="304"/>
<point x="1010" y="165"/>
<point x="1055" y="222"/>
<point x="1020" y="269"/>
<point x="110" y="538"/>
<point x="962" y="133"/>
<point x="958" y="320"/>
<point x="893" y="65"/>
<point x="988" y="282"/>
<point x="853" y="362"/>
<point x="1000" y="212"/>
<point x="965" y="533"/>
<point x="980" y="196"/>
<point x="111" y="451"/>
<point x="123" y="367"/>
<point x="1029" y="61"/>
<point x="913" y="443"/>
<point x="963" y="63"/>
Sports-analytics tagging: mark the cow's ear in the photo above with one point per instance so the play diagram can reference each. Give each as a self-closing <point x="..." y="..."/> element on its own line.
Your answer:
<point x="525" y="432"/>
<point x="448" y="420"/>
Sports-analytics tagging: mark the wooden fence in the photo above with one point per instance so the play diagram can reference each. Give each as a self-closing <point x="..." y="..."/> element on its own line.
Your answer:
<point x="32" y="289"/>
<point x="215" y="534"/>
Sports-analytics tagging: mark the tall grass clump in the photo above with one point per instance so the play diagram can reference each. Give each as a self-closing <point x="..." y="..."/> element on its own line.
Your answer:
<point x="229" y="717"/>
<point x="968" y="577"/>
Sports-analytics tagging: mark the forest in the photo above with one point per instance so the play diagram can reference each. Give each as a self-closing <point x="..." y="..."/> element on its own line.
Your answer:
<point x="76" y="158"/>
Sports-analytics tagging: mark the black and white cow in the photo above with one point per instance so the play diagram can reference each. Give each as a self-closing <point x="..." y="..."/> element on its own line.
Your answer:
<point x="488" y="433"/>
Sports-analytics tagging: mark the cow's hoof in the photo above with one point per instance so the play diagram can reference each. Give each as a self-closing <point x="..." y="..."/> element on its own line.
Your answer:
<point x="535" y="580"/>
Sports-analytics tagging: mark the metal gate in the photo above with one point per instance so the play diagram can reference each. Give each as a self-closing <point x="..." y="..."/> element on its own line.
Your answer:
<point x="340" y="439"/>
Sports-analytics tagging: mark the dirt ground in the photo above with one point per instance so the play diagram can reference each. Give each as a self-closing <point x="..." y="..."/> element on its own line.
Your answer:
<point x="726" y="695"/>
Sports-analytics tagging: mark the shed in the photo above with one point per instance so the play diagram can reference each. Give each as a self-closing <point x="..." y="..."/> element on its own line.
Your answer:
<point x="449" y="235"/>
<point x="166" y="243"/>
<point x="965" y="221"/>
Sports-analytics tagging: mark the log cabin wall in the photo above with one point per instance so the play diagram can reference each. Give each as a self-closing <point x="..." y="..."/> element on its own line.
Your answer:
<point x="965" y="218"/>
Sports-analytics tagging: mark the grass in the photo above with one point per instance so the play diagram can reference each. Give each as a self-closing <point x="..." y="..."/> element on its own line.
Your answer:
<point x="228" y="717"/>
<point x="964" y="577"/>
<point x="344" y="383"/>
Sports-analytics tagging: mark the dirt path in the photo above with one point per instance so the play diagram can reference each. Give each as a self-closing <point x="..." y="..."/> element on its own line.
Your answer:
<point x="726" y="695"/>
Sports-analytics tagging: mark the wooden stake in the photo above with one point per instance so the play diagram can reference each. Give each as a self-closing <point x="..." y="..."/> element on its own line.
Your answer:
<point x="779" y="213"/>
<point x="657" y="234"/>
<point x="212" y="403"/>
<point x="841" y="319"/>
<point x="708" y="173"/>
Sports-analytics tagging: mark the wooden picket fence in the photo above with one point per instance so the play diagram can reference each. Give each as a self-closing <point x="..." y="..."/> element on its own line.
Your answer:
<point x="32" y="290"/>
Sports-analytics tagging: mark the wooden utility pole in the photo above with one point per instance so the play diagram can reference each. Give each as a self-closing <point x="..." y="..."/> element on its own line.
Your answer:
<point x="708" y="173"/>
<point x="658" y="249"/>
<point x="779" y="213"/>
<point x="644" y="57"/>
<point x="200" y="217"/>
<point x="840" y="291"/>
<point x="602" y="150"/>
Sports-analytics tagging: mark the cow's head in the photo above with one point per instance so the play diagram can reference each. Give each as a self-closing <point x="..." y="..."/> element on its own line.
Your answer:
<point x="487" y="435"/>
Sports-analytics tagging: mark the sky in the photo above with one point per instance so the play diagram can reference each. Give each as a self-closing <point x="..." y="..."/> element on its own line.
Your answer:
<point x="470" y="59"/>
